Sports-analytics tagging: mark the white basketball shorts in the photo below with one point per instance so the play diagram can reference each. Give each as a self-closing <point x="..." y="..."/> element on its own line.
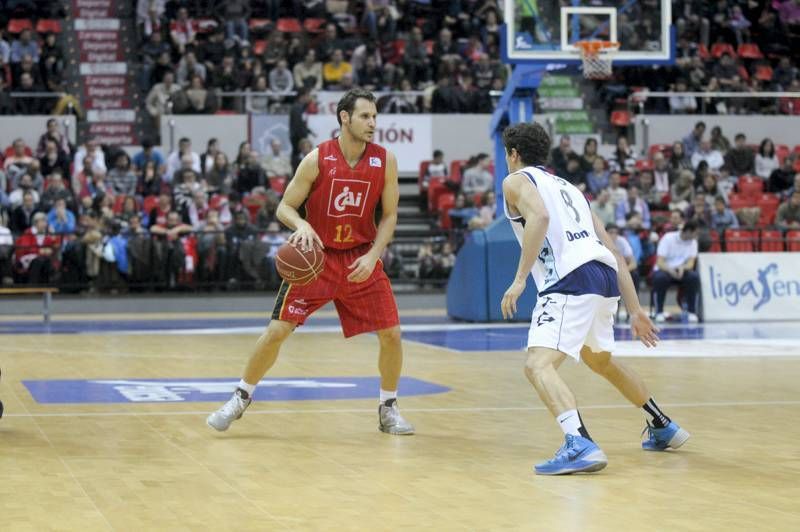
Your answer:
<point x="567" y="322"/>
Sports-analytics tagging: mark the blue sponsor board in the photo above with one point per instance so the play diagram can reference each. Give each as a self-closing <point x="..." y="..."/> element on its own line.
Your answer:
<point x="201" y="390"/>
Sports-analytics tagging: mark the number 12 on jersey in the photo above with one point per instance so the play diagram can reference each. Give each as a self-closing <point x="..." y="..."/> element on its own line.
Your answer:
<point x="344" y="233"/>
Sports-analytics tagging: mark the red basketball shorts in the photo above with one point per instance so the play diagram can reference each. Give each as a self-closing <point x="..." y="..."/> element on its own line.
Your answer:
<point x="362" y="307"/>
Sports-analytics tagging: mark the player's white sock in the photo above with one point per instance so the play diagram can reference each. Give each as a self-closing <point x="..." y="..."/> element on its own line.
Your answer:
<point x="571" y="423"/>
<point x="385" y="396"/>
<point x="249" y="388"/>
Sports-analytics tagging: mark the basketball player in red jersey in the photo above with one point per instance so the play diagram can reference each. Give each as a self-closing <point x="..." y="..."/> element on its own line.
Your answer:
<point x="342" y="181"/>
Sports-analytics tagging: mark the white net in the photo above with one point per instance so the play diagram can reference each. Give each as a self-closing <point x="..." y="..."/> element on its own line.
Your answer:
<point x="598" y="57"/>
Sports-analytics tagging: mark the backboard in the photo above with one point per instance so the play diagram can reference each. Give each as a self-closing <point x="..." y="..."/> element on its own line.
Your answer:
<point x="545" y="31"/>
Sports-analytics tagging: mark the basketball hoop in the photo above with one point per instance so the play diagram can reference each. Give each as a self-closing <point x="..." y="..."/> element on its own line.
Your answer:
<point x="597" y="57"/>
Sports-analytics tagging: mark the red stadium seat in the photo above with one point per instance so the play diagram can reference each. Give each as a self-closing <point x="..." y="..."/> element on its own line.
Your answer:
<point x="743" y="73"/>
<point x="314" y="25"/>
<point x="793" y="241"/>
<point x="768" y="203"/>
<point x="750" y="186"/>
<point x="716" y="245"/>
<point x="781" y="151"/>
<point x="436" y="188"/>
<point x="666" y="149"/>
<point x="738" y="240"/>
<point x="738" y="201"/>
<point x="259" y="47"/>
<point x="119" y="202"/>
<point x="423" y="167"/>
<point x="644" y="164"/>
<point x="771" y="241"/>
<point x="703" y="53"/>
<point x="750" y="51"/>
<point x="456" y="168"/>
<point x="17" y="25"/>
<point x="205" y="25"/>
<point x="150" y="203"/>
<point x="47" y="25"/>
<point x="620" y="118"/>
<point x="278" y="184"/>
<point x="763" y="73"/>
<point x="216" y="201"/>
<point x="10" y="152"/>
<point x="446" y="202"/>
<point x="289" y="25"/>
<point x="259" y="25"/>
<point x="721" y="48"/>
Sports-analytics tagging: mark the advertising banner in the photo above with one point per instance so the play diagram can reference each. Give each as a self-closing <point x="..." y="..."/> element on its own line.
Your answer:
<point x="750" y="286"/>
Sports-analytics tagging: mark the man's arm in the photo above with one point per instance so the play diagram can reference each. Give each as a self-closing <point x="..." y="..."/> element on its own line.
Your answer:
<point x="521" y="195"/>
<point x="390" y="197"/>
<point x="640" y="322"/>
<point x="295" y="194"/>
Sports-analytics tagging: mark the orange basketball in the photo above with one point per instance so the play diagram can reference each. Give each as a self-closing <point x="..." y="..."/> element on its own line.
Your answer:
<point x="298" y="266"/>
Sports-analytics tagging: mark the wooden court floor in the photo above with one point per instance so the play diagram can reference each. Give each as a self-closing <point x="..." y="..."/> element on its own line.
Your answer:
<point x="322" y="465"/>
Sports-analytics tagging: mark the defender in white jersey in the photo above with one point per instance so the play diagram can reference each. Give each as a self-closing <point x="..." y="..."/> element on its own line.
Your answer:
<point x="578" y="278"/>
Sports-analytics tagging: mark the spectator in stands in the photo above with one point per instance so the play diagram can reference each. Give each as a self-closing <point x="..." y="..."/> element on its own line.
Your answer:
<point x="654" y="198"/>
<point x="680" y="104"/>
<point x="148" y="154"/>
<point x="308" y="74"/>
<point x="30" y="105"/>
<point x="211" y="248"/>
<point x="622" y="160"/>
<point x="766" y="161"/>
<point x="187" y="183"/>
<point x="174" y="161"/>
<point x="370" y="75"/>
<point x="121" y="178"/>
<point x="188" y="67"/>
<point x="22" y="215"/>
<point x="197" y="209"/>
<point x="235" y="13"/>
<point x="788" y="192"/>
<point x="298" y="127"/>
<point x="52" y="133"/>
<point x="699" y="211"/>
<point x="170" y="236"/>
<point x="24" y="45"/>
<point x="559" y="155"/>
<point x="603" y="207"/>
<point x="25" y="184"/>
<point x="574" y="173"/>
<point x="251" y="175"/>
<point x="663" y="174"/>
<point x="304" y="147"/>
<point x="740" y="160"/>
<point x="712" y="188"/>
<point x="462" y="212"/>
<point x="616" y="191"/>
<point x="691" y="142"/>
<point x="486" y="213"/>
<point x="444" y="98"/>
<point x="239" y="232"/>
<point x="52" y="62"/>
<point x="276" y="163"/>
<point x="60" y="219"/>
<point x="182" y="31"/>
<point x="91" y="147"/>
<point x="782" y="178"/>
<point x="416" y="62"/>
<point x="159" y="99"/>
<point x="35" y="252"/>
<point x="706" y="153"/>
<point x="220" y="177"/>
<point x="597" y="178"/>
<point x="477" y="178"/>
<point x="678" y="160"/>
<point x="208" y="156"/>
<point x="634" y="203"/>
<point x="280" y="79"/>
<point x="723" y="218"/>
<point x="6" y="255"/>
<point x="149" y="182"/>
<point x="335" y="69"/>
<point x="590" y="155"/>
<point x="130" y="208"/>
<point x="623" y="247"/>
<point x="19" y="162"/>
<point x="197" y="99"/>
<point x="259" y="101"/>
<point x="56" y="190"/>
<point x="788" y="215"/>
<point x="53" y="159"/>
<point x="682" y="191"/>
<point x="6" y="103"/>
<point x="158" y="215"/>
<point x="677" y="252"/>
<point x="719" y="141"/>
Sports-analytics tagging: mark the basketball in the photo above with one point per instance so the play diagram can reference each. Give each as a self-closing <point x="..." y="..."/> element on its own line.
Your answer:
<point x="297" y="266"/>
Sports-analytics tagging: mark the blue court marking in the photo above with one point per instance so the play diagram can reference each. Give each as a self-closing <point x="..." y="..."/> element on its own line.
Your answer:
<point x="115" y="390"/>
<point x="122" y="325"/>
<point x="516" y="338"/>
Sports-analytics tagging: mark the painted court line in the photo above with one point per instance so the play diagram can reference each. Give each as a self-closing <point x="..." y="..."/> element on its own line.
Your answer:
<point x="714" y="404"/>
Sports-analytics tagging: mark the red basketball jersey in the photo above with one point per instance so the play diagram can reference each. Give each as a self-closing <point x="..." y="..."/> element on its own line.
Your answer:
<point x="342" y="202"/>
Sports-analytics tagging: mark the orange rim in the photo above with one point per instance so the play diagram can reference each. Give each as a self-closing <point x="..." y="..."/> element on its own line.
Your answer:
<point x="591" y="48"/>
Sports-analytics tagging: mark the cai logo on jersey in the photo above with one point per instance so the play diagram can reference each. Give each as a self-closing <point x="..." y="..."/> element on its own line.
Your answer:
<point x="348" y="197"/>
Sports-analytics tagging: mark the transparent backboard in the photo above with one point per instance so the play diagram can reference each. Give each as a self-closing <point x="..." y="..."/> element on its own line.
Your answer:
<point x="545" y="31"/>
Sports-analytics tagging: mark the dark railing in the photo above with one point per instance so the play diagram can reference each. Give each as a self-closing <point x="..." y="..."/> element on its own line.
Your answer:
<point x="195" y="261"/>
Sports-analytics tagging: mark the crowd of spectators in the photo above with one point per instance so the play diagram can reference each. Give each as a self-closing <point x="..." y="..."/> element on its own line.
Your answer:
<point x="75" y="215"/>
<point x="724" y="45"/>
<point x="203" y="57"/>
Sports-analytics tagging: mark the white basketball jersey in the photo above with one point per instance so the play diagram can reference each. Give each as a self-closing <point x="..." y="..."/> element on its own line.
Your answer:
<point x="571" y="240"/>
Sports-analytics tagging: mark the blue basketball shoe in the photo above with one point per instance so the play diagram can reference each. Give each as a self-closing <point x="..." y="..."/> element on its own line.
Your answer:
<point x="671" y="436"/>
<point x="577" y="455"/>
